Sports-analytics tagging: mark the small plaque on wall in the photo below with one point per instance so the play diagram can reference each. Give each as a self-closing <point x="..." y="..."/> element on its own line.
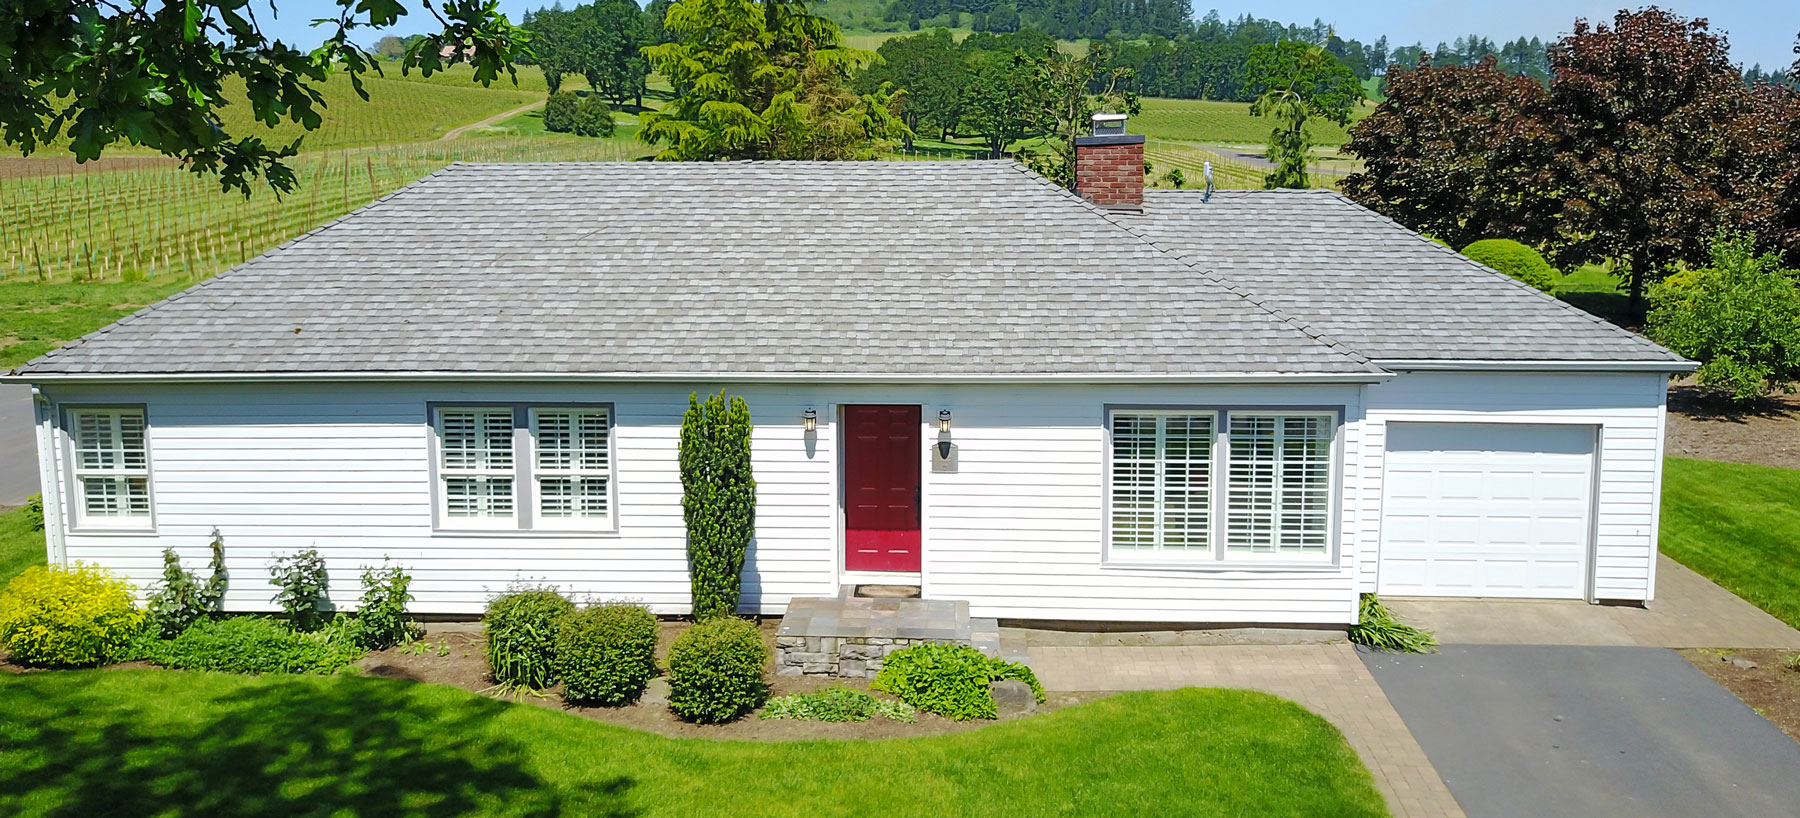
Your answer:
<point x="943" y="458"/>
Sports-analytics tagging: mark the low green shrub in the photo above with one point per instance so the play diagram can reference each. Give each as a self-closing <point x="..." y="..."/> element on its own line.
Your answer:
<point x="1376" y="627"/>
<point x="381" y="619"/>
<point x="34" y="511"/>
<point x="1516" y="260"/>
<point x="1739" y="317"/>
<point x="257" y="644"/>
<point x="949" y="680"/>
<point x="716" y="670"/>
<point x="302" y="580"/>
<point x="606" y="654"/>
<point x="51" y="616"/>
<point x="521" y="636"/>
<point x="593" y="117"/>
<point x="182" y="598"/>
<point x="559" y="112"/>
<point x="836" y="704"/>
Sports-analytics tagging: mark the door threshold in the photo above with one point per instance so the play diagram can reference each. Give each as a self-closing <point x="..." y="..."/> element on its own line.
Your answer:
<point x="879" y="578"/>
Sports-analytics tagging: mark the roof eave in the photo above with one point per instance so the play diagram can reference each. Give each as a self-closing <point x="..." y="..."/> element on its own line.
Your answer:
<point x="1371" y="376"/>
<point x="1508" y="365"/>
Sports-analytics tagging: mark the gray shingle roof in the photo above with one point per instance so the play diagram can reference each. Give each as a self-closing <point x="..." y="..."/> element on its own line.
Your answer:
<point x="933" y="269"/>
<point x="1379" y="288"/>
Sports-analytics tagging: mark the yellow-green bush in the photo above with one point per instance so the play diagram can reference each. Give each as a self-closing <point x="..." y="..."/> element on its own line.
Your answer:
<point x="1516" y="260"/>
<point x="53" y="616"/>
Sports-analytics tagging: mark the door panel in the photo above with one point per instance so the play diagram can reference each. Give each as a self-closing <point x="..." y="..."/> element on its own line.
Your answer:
<point x="881" y="488"/>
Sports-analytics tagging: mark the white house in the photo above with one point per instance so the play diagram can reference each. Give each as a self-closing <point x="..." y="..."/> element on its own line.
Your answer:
<point x="1242" y="407"/>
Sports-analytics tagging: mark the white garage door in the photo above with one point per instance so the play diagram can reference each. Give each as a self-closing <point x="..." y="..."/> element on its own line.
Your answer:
<point x="1482" y="509"/>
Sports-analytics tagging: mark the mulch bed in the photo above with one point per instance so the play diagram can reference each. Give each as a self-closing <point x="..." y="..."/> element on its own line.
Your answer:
<point x="452" y="655"/>
<point x="1765" y="433"/>
<point x="1770" y="688"/>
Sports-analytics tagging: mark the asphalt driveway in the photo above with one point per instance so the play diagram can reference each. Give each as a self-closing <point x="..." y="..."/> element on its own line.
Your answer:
<point x="18" y="447"/>
<point x="1542" y="731"/>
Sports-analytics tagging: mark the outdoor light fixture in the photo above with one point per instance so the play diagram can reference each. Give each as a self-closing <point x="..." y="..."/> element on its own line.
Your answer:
<point x="944" y="420"/>
<point x="809" y="420"/>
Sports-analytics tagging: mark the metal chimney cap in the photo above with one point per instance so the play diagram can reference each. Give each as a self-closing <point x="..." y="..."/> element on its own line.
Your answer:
<point x="1109" y="124"/>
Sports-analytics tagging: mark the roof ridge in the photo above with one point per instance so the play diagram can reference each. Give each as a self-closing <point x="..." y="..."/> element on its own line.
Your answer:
<point x="1559" y="303"/>
<point x="1211" y="275"/>
<point x="138" y="315"/>
<point x="1240" y="291"/>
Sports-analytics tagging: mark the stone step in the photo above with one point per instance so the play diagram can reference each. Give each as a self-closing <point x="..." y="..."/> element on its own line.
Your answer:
<point x="984" y="634"/>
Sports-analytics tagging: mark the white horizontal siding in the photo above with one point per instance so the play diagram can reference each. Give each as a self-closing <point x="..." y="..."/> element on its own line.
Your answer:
<point x="1017" y="530"/>
<point x="1628" y="409"/>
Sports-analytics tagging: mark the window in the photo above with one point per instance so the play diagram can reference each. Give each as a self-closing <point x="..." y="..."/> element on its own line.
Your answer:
<point x="477" y="465"/>
<point x="554" y="472"/>
<point x="1162" y="482"/>
<point x="1279" y="497"/>
<point x="1220" y="485"/>
<point x="574" y="463"/>
<point x="112" y="467"/>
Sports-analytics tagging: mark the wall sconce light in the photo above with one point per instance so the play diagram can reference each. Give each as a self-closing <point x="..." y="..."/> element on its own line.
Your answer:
<point x="944" y="420"/>
<point x="809" y="420"/>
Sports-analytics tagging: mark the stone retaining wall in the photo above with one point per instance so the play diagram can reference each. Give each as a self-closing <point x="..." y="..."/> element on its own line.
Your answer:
<point x="856" y="657"/>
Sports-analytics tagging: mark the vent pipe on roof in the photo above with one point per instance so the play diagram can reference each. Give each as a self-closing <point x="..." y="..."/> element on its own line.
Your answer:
<point x="1109" y="164"/>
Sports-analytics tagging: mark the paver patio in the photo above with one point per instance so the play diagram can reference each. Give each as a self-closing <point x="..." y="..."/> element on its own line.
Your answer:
<point x="1689" y="611"/>
<point x="1327" y="679"/>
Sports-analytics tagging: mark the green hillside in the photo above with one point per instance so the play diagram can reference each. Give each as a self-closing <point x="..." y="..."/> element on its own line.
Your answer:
<point x="1222" y="123"/>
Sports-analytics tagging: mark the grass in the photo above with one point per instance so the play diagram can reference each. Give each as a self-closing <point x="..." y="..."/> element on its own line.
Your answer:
<point x="42" y="317"/>
<point x="1738" y="526"/>
<point x="146" y="742"/>
<point x="21" y="545"/>
<point x="1592" y="288"/>
<point x="1222" y="123"/>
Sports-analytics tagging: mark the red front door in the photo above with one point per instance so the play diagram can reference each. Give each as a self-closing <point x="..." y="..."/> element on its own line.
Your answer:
<point x="881" y="488"/>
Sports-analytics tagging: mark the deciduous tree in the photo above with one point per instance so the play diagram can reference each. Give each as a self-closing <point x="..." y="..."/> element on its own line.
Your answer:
<point x="1065" y="93"/>
<point x="155" y="74"/>
<point x="1295" y="82"/>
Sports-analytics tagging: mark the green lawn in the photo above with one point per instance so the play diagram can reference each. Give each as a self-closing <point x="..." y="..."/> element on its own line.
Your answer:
<point x="40" y="317"/>
<point x="1222" y="123"/>
<point x="148" y="742"/>
<point x="1739" y="526"/>
<point x="21" y="545"/>
<point x="1592" y="288"/>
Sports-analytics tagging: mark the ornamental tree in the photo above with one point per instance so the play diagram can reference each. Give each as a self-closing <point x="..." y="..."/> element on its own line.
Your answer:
<point x="155" y="74"/>
<point x="718" y="500"/>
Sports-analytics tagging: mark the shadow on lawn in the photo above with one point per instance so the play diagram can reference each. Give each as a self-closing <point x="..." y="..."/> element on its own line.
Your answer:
<point x="286" y="748"/>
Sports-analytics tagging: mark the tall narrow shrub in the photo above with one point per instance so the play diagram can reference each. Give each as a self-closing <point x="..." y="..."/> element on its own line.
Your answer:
<point x="718" y="499"/>
<point x="182" y="598"/>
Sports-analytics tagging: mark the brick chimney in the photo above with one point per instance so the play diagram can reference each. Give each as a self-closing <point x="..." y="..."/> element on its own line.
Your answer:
<point x="1109" y="165"/>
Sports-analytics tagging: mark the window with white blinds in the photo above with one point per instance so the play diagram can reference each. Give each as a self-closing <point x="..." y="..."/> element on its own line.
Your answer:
<point x="574" y="464"/>
<point x="476" y="466"/>
<point x="1278" y="494"/>
<point x="552" y="472"/>
<point x="1217" y="485"/>
<point x="1161" y="483"/>
<point x="112" y="466"/>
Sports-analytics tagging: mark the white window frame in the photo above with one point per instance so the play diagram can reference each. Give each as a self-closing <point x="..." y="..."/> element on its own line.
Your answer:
<point x="1218" y="555"/>
<point x="79" y="516"/>
<point x="1281" y="553"/>
<point x="539" y="472"/>
<point x="527" y="513"/>
<point x="1159" y="550"/>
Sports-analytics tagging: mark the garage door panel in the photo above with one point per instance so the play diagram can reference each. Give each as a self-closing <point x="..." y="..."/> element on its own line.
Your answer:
<point x="1487" y="509"/>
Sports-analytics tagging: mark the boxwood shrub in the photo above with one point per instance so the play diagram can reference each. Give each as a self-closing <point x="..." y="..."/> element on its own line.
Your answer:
<point x="1516" y="260"/>
<point x="51" y="616"/>
<point x="716" y="670"/>
<point x="521" y="636"/>
<point x="949" y="680"/>
<point x="606" y="654"/>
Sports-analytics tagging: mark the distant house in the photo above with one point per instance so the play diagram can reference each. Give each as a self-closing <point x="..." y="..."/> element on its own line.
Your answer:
<point x="1152" y="406"/>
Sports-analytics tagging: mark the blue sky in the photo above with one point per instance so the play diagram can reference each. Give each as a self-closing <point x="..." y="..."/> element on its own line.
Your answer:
<point x="1760" y="30"/>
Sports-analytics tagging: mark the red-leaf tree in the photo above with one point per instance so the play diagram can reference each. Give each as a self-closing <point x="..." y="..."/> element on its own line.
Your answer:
<point x="1648" y="155"/>
<point x="1639" y="149"/>
<point x="1460" y="153"/>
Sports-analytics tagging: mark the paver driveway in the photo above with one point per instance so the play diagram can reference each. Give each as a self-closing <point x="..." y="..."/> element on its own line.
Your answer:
<point x="1546" y="731"/>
